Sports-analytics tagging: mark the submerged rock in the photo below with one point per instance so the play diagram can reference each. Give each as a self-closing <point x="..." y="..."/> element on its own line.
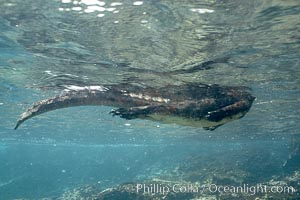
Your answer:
<point x="287" y="187"/>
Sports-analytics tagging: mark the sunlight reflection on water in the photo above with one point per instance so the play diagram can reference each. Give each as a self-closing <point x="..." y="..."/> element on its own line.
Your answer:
<point x="49" y="46"/>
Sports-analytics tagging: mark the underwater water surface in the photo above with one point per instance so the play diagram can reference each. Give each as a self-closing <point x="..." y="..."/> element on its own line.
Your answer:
<point x="48" y="46"/>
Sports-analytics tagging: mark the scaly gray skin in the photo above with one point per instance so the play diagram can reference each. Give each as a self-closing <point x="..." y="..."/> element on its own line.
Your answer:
<point x="186" y="104"/>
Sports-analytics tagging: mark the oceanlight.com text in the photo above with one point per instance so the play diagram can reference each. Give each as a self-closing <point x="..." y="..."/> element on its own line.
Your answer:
<point x="212" y="188"/>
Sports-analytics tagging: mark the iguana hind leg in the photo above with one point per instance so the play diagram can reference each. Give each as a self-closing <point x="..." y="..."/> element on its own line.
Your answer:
<point x="136" y="112"/>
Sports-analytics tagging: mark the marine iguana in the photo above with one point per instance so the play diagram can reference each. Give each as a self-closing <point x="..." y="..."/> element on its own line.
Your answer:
<point x="197" y="105"/>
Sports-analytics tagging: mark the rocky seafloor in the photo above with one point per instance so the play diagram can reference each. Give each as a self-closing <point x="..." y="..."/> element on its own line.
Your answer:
<point x="287" y="187"/>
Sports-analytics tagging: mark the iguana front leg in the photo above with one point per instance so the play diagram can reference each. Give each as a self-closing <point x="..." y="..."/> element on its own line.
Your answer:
<point x="227" y="111"/>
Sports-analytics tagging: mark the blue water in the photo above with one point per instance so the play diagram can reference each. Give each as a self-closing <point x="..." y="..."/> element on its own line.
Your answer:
<point x="44" y="47"/>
